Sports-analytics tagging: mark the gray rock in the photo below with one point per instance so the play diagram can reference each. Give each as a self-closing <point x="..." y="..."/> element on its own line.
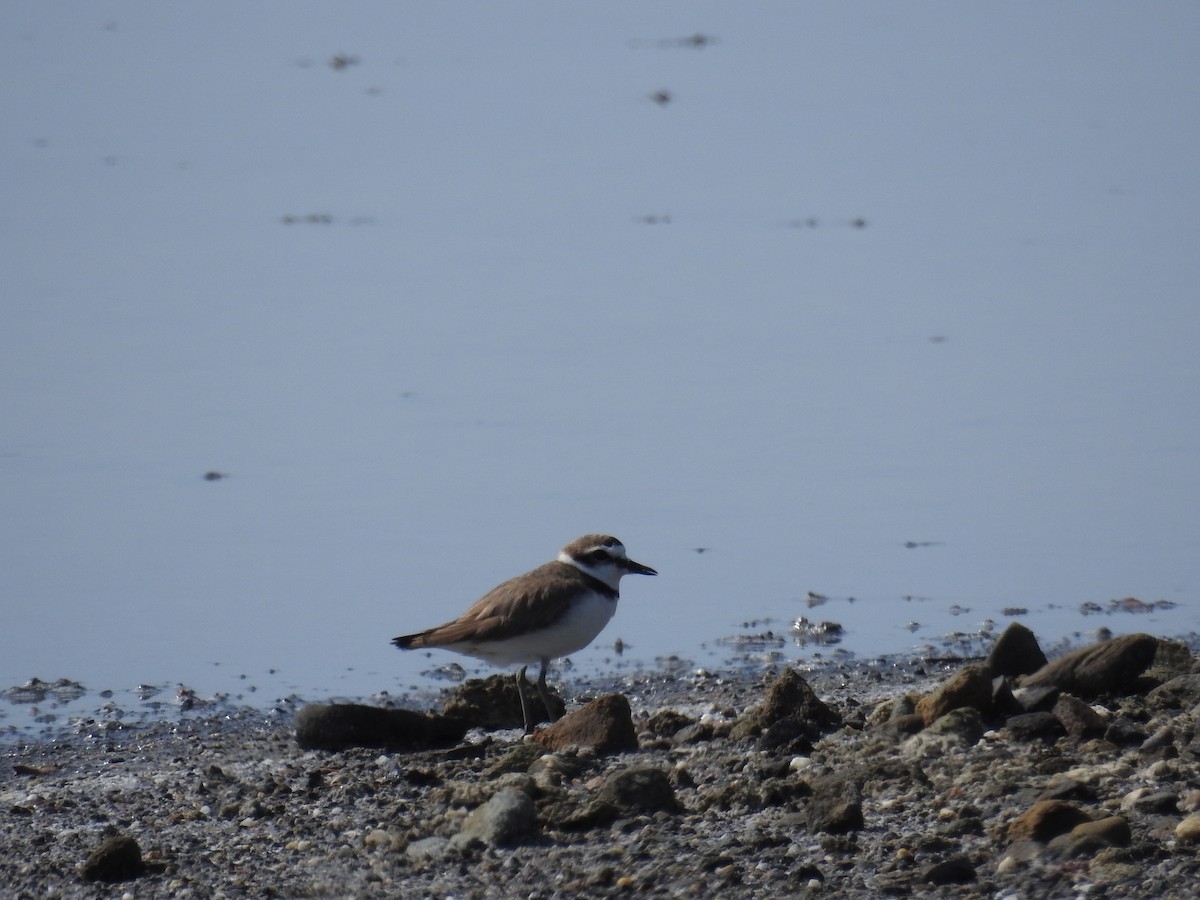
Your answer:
<point x="1181" y="692"/>
<point x="1080" y="720"/>
<point x="835" y="806"/>
<point x="427" y="849"/>
<point x="503" y="821"/>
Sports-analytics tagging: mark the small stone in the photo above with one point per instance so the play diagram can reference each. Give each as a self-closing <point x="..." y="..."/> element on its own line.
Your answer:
<point x="970" y="686"/>
<point x="495" y="702"/>
<point x="835" y="806"/>
<point x="501" y="822"/>
<point x="1188" y="830"/>
<point x="605" y="726"/>
<point x="117" y="859"/>
<point x="1033" y="726"/>
<point x="1078" y="718"/>
<point x="1016" y="652"/>
<point x="1181" y="692"/>
<point x="427" y="849"/>
<point x="1111" y="830"/>
<point x="1044" y="820"/>
<point x="790" y="699"/>
<point x="956" y="870"/>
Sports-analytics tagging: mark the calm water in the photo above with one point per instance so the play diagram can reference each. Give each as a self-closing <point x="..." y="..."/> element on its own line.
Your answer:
<point x="871" y="277"/>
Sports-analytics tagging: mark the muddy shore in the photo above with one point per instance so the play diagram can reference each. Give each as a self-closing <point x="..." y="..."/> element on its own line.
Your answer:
<point x="912" y="777"/>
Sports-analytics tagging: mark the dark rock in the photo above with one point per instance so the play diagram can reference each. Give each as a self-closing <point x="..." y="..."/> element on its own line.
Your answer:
<point x="1004" y="704"/>
<point x="605" y="725"/>
<point x="337" y="726"/>
<point x="1089" y="838"/>
<point x="1034" y="726"/>
<point x="835" y="806"/>
<point x="495" y="702"/>
<point x="640" y="789"/>
<point x="1122" y="731"/>
<point x="1016" y="652"/>
<point x="1109" y="667"/>
<point x="625" y="793"/>
<point x="1038" y="699"/>
<point x="902" y="726"/>
<point x="668" y="723"/>
<point x="1044" y="820"/>
<point x="956" y="870"/>
<point x="1079" y="719"/>
<point x="789" y="698"/>
<point x="970" y="686"/>
<point x="118" y="859"/>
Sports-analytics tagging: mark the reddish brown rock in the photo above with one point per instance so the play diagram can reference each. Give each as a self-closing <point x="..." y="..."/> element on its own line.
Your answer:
<point x="604" y="725"/>
<point x="970" y="686"/>
<point x="1045" y="820"/>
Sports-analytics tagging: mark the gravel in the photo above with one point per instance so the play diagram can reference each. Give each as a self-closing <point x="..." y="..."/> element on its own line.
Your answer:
<point x="728" y="792"/>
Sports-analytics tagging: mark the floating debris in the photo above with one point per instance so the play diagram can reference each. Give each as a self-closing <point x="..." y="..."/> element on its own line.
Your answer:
<point x="662" y="98"/>
<point x="448" y="672"/>
<point x="214" y="475"/>
<point x="805" y="632"/>
<point x="913" y="545"/>
<point x="1014" y="611"/>
<point x="64" y="690"/>
<point x="812" y="598"/>
<point x="310" y="219"/>
<point x="762" y="640"/>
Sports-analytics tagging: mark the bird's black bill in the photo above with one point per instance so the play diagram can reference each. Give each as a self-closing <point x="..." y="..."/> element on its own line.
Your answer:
<point x="636" y="568"/>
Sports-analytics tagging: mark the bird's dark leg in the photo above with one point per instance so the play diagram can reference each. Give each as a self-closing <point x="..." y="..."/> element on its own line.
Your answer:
<point x="541" y="686"/>
<point x="521" y="693"/>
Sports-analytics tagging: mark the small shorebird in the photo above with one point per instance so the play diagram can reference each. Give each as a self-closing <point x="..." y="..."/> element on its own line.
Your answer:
<point x="549" y="612"/>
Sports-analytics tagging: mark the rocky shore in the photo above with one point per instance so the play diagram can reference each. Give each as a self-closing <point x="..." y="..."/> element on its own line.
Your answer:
<point x="1008" y="776"/>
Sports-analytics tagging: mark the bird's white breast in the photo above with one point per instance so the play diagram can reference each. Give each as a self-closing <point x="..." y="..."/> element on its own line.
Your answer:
<point x="578" y="627"/>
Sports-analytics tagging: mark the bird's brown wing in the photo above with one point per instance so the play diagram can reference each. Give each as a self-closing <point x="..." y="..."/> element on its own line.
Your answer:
<point x="528" y="602"/>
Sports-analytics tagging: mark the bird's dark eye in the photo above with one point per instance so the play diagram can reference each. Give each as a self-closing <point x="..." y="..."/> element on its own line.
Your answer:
<point x="599" y="555"/>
